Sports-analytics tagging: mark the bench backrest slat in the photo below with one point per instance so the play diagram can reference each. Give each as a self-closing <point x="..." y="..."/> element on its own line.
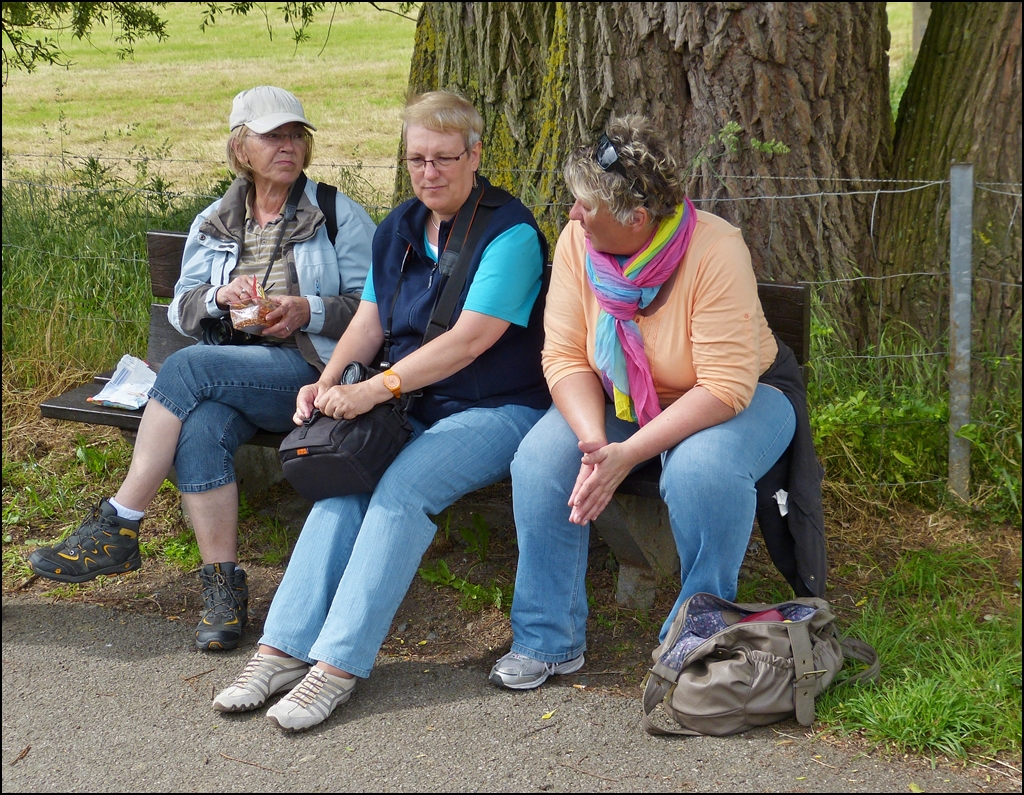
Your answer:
<point x="165" y="250"/>
<point x="786" y="306"/>
<point x="164" y="339"/>
<point x="788" y="310"/>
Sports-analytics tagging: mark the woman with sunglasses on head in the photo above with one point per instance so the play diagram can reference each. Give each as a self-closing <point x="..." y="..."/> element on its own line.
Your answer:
<point x="268" y="229"/>
<point x="656" y="345"/>
<point x="478" y="389"/>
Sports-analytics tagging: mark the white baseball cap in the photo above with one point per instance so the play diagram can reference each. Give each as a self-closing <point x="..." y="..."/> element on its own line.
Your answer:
<point x="266" y="108"/>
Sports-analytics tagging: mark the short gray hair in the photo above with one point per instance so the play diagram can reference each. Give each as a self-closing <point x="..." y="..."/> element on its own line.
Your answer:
<point x="237" y="138"/>
<point x="653" y="179"/>
<point x="444" y="112"/>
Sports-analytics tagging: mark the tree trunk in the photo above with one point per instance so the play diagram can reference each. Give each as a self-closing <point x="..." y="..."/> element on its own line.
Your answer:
<point x="726" y="77"/>
<point x="962" y="105"/>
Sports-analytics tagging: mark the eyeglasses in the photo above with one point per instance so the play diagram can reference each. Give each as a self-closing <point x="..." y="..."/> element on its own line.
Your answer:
<point x="278" y="138"/>
<point x="607" y="158"/>
<point x="440" y="163"/>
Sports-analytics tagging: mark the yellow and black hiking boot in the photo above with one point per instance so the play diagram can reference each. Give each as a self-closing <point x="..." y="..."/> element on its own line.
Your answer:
<point x="226" y="600"/>
<point x="103" y="544"/>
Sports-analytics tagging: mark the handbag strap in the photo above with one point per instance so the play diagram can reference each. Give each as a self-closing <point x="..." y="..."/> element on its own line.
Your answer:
<point x="803" y="670"/>
<point x="327" y="201"/>
<point x="865" y="652"/>
<point x="470" y="224"/>
<point x="453" y="264"/>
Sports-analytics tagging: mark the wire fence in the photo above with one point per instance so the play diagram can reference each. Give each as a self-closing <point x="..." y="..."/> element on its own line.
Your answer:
<point x="371" y="185"/>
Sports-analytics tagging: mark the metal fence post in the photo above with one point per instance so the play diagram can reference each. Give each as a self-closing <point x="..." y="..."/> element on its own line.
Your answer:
<point x="961" y="211"/>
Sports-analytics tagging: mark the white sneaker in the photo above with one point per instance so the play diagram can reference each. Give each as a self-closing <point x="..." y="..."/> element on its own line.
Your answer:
<point x="263" y="676"/>
<point x="519" y="672"/>
<point x="311" y="701"/>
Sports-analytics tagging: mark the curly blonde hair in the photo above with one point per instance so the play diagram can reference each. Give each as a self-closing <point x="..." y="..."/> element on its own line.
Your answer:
<point x="237" y="139"/>
<point x="652" y="177"/>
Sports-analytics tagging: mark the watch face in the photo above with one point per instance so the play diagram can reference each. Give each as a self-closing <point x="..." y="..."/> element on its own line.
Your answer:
<point x="392" y="381"/>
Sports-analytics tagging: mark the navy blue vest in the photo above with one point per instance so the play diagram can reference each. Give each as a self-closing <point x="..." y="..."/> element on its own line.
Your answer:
<point x="509" y="371"/>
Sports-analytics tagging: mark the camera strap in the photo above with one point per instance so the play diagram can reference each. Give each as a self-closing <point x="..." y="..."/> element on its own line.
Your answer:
<point x="468" y="228"/>
<point x="290" y="208"/>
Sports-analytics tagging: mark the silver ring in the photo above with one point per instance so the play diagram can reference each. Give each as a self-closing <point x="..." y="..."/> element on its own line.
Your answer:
<point x="286" y="328"/>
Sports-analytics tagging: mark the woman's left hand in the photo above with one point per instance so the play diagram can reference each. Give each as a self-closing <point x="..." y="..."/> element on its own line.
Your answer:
<point x="348" y="401"/>
<point x="290" y="313"/>
<point x="602" y="469"/>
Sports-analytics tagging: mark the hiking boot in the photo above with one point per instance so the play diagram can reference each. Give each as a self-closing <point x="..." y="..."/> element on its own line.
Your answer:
<point x="264" y="675"/>
<point x="519" y="672"/>
<point x="311" y="701"/>
<point x="226" y="600"/>
<point x="104" y="543"/>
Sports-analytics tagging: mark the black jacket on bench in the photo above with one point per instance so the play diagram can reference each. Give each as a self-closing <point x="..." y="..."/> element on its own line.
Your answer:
<point x="795" y="542"/>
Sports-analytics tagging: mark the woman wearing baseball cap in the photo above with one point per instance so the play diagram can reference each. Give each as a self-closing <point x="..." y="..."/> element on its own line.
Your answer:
<point x="267" y="230"/>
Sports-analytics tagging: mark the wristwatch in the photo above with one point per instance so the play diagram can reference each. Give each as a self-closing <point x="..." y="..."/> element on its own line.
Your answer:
<point x="393" y="382"/>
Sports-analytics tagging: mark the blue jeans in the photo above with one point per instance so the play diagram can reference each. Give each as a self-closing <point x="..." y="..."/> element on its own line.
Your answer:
<point x="223" y="394"/>
<point x="357" y="555"/>
<point x="707" y="482"/>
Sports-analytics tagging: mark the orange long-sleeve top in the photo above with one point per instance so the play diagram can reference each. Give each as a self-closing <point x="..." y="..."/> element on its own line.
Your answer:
<point x="705" y="328"/>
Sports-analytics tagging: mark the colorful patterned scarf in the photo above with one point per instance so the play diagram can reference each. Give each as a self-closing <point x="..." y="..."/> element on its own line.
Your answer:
<point x="621" y="290"/>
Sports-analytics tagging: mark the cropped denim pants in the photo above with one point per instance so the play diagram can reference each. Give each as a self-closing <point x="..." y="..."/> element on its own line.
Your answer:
<point x="707" y="482"/>
<point x="357" y="555"/>
<point x="223" y="394"/>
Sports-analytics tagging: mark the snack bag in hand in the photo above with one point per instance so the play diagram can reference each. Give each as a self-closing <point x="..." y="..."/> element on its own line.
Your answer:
<point x="251" y="316"/>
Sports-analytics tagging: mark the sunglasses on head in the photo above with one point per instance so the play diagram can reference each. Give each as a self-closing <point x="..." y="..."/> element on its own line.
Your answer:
<point x="607" y="158"/>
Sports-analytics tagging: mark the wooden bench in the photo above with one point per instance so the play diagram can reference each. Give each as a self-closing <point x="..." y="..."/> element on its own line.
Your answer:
<point x="635" y="525"/>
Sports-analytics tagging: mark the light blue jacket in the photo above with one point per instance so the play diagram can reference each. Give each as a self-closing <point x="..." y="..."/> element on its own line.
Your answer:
<point x="329" y="277"/>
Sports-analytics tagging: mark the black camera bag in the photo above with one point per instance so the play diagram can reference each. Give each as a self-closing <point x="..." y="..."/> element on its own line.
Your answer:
<point x="325" y="457"/>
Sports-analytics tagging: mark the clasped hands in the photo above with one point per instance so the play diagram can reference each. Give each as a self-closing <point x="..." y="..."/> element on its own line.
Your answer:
<point x="602" y="469"/>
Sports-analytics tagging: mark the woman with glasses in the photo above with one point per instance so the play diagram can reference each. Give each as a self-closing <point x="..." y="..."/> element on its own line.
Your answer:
<point x="478" y="389"/>
<point x="268" y="230"/>
<point x="656" y="345"/>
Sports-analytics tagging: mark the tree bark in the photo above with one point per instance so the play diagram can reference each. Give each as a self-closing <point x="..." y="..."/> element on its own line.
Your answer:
<point x="812" y="76"/>
<point x="962" y="105"/>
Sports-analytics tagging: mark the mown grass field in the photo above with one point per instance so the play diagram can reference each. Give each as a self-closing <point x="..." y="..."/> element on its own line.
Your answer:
<point x="933" y="583"/>
<point x="173" y="97"/>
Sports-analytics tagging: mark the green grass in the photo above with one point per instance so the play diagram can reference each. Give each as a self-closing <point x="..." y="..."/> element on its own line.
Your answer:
<point x="181" y="550"/>
<point x="474" y="596"/>
<point x="950" y="645"/>
<point x="901" y="50"/>
<point x="76" y="283"/>
<point x="271" y="541"/>
<point x="174" y="96"/>
<point x="880" y="422"/>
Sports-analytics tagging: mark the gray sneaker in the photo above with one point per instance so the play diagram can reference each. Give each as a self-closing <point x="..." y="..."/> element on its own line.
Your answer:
<point x="519" y="672"/>
<point x="263" y="676"/>
<point x="311" y="701"/>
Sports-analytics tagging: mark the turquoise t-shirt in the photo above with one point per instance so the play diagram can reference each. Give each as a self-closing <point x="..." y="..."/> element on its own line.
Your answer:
<point x="498" y="290"/>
